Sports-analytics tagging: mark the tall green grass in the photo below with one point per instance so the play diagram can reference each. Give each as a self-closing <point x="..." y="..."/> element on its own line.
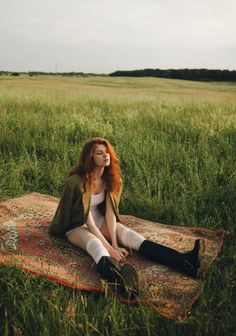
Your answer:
<point x="176" y="141"/>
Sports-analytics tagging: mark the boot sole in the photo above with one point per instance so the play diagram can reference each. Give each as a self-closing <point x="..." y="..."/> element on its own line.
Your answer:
<point x="201" y="254"/>
<point x="129" y="276"/>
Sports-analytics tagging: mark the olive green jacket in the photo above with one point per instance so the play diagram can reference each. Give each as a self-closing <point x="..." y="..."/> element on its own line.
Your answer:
<point x="74" y="206"/>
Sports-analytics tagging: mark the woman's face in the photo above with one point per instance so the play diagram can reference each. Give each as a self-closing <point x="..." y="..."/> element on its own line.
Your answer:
<point x="101" y="156"/>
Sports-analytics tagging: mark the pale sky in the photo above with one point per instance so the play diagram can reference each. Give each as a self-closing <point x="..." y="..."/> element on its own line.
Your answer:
<point x="102" y="36"/>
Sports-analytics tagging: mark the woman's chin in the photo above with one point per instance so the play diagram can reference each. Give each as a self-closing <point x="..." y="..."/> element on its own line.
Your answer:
<point x="103" y="165"/>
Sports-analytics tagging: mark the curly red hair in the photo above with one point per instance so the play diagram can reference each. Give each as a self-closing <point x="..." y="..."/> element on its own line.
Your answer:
<point x="86" y="166"/>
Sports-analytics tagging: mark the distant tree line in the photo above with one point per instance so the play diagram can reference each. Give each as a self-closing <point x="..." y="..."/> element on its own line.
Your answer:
<point x="188" y="74"/>
<point x="42" y="73"/>
<point x="69" y="74"/>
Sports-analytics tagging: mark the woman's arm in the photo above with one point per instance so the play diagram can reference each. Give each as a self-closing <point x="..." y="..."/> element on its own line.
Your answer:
<point x="112" y="226"/>
<point x="111" y="220"/>
<point x="117" y="254"/>
<point x="94" y="229"/>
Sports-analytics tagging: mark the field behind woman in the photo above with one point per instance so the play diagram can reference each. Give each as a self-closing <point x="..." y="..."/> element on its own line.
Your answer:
<point x="176" y="141"/>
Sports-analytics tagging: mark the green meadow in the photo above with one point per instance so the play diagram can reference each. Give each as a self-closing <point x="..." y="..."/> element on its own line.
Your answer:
<point x="176" y="141"/>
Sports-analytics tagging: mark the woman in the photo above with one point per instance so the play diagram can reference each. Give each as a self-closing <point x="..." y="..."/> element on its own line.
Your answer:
<point x="88" y="216"/>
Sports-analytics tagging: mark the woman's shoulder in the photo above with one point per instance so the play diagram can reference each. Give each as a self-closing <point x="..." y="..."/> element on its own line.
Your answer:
<point x="75" y="181"/>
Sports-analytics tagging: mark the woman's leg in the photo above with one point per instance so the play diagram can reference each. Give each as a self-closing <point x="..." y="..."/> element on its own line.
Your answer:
<point x="127" y="271"/>
<point x="83" y="238"/>
<point x="125" y="236"/>
<point x="128" y="237"/>
<point x="124" y="277"/>
<point x="188" y="263"/>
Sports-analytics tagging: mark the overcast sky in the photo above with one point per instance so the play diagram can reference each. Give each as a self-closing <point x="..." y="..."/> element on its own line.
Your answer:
<point x="102" y="36"/>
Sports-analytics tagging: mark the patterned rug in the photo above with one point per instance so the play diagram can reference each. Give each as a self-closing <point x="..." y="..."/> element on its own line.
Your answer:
<point x="26" y="244"/>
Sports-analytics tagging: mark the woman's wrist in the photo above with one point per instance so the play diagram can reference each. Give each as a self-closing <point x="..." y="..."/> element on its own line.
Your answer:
<point x="109" y="248"/>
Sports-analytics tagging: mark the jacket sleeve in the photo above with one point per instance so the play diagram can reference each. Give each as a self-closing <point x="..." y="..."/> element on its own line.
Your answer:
<point x="120" y="193"/>
<point x="61" y="219"/>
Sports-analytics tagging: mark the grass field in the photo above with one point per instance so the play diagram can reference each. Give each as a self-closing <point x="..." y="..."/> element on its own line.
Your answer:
<point x="176" y="141"/>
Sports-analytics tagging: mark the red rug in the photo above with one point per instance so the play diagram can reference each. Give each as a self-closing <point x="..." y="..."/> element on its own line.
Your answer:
<point x="25" y="243"/>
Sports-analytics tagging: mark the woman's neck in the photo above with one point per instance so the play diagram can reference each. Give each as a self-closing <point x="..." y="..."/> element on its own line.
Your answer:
<point x="98" y="182"/>
<point x="99" y="172"/>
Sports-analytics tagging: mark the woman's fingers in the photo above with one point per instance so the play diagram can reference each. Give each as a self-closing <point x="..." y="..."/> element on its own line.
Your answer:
<point x="119" y="254"/>
<point x="123" y="255"/>
<point x="124" y="251"/>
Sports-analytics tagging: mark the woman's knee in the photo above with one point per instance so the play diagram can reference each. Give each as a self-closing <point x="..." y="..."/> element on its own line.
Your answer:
<point x="120" y="228"/>
<point x="129" y="238"/>
<point x="80" y="237"/>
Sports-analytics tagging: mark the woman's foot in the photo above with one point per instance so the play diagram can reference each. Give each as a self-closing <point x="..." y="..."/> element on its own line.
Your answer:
<point x="193" y="265"/>
<point x="124" y="278"/>
<point x="131" y="280"/>
<point x="189" y="263"/>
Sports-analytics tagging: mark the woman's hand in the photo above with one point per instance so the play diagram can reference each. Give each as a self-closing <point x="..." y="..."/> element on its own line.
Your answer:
<point x="119" y="254"/>
<point x="123" y="250"/>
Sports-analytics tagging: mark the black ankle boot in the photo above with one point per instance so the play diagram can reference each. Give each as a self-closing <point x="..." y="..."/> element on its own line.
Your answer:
<point x="123" y="277"/>
<point x="187" y="263"/>
<point x="194" y="258"/>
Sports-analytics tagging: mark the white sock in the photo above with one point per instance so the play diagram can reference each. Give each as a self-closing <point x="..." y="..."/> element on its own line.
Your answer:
<point x="131" y="239"/>
<point x="96" y="249"/>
